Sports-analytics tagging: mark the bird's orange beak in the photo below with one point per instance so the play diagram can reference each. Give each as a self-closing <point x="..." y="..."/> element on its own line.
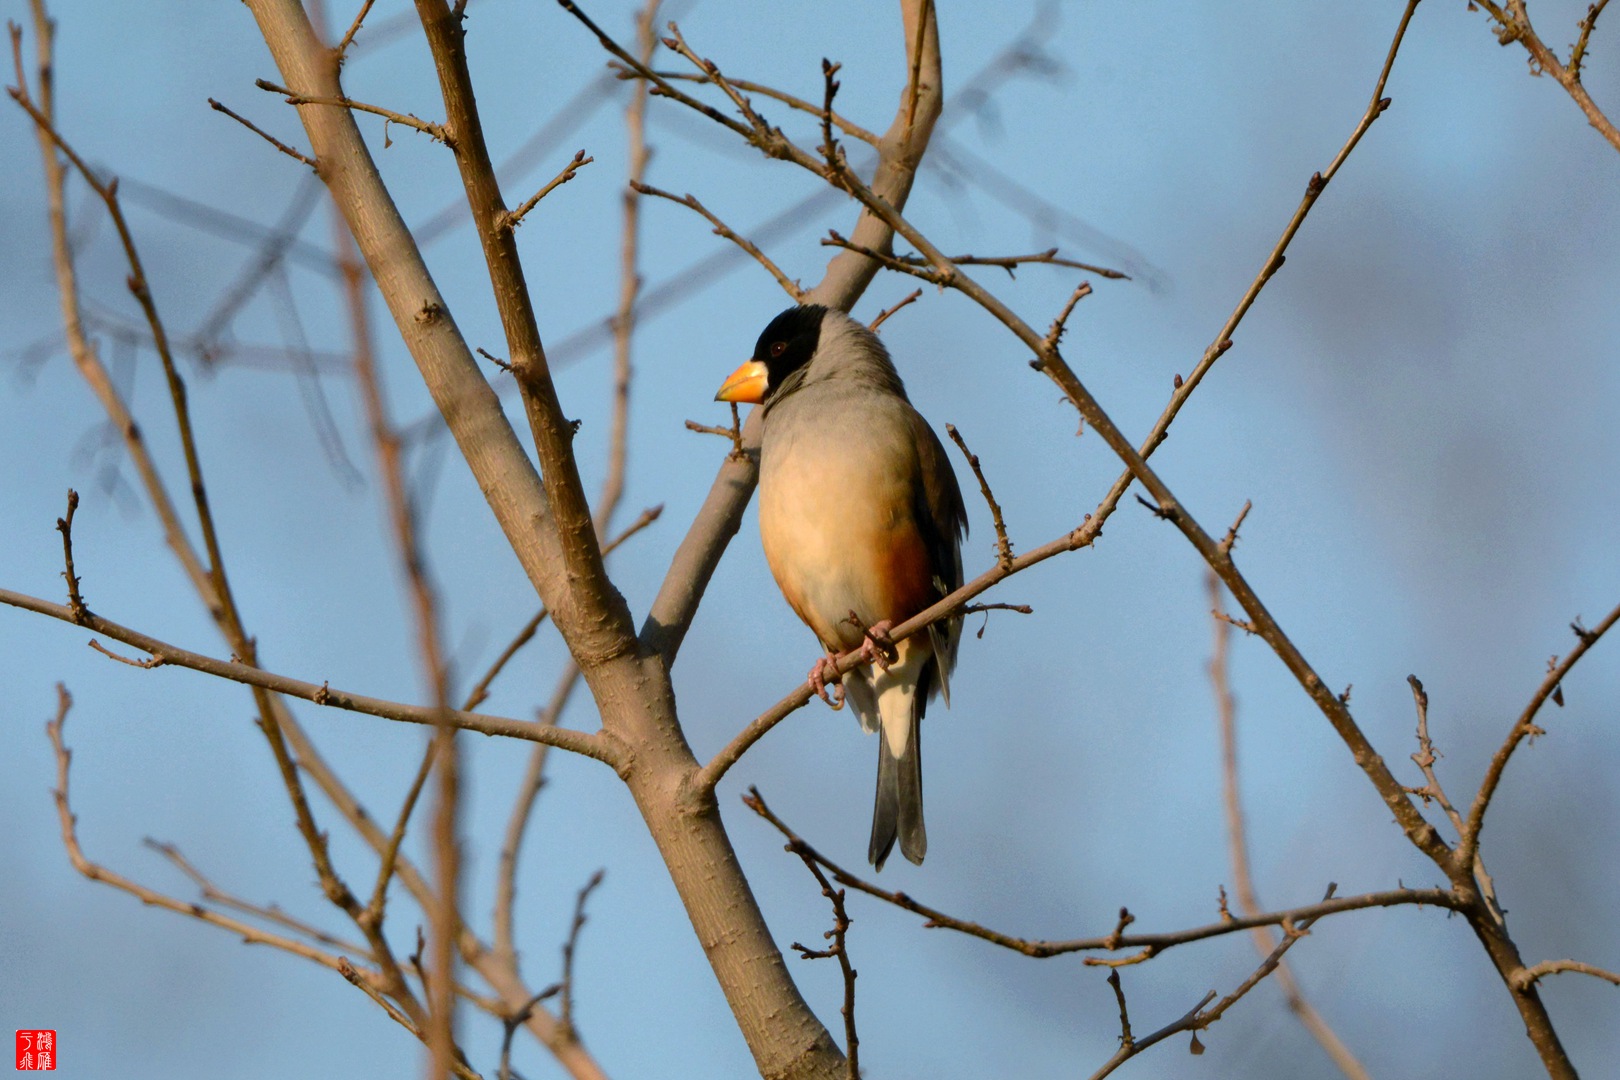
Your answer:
<point x="745" y="386"/>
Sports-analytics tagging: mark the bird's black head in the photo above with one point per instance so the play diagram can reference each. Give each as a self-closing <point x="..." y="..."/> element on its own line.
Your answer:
<point x="788" y="343"/>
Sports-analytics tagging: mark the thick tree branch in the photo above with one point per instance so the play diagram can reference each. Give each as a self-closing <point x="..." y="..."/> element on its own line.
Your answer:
<point x="590" y="613"/>
<point x="464" y="397"/>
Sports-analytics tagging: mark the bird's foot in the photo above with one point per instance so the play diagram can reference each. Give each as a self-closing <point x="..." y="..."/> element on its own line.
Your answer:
<point x="878" y="648"/>
<point x="824" y="672"/>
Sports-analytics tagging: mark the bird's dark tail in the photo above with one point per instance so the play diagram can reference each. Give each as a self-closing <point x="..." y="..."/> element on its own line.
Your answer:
<point x="897" y="811"/>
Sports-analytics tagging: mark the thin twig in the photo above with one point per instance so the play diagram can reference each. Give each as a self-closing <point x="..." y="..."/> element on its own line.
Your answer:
<point x="1426" y="757"/>
<point x="831" y="152"/>
<point x="64" y="525"/>
<point x="1200" y="1018"/>
<point x="914" y="81"/>
<point x="624" y="318"/>
<point x="734" y="433"/>
<point x="389" y="860"/>
<point x="1129" y="1047"/>
<point x="263" y="134"/>
<point x="517" y="822"/>
<point x="760" y="129"/>
<point x="1231" y="537"/>
<point x="427" y="127"/>
<point x="458" y="1066"/>
<point x="839" y="934"/>
<point x="401" y="516"/>
<point x="1022" y="609"/>
<point x="1529" y="975"/>
<point x="514" y="218"/>
<point x="1513" y="24"/>
<point x="1578" y="52"/>
<point x="268" y="912"/>
<point x="665" y="88"/>
<point x="1522" y="727"/>
<point x="1125" y="1036"/>
<point x="565" y="1012"/>
<point x="149" y="663"/>
<point x="930" y="270"/>
<point x="360" y="980"/>
<point x="68" y="821"/>
<point x="789" y="286"/>
<point x="884" y="315"/>
<point x="510" y="1023"/>
<point x="932" y="274"/>
<point x="1054" y="333"/>
<point x="1011" y="263"/>
<point x="844" y="124"/>
<point x="1004" y="555"/>
<point x="342" y="48"/>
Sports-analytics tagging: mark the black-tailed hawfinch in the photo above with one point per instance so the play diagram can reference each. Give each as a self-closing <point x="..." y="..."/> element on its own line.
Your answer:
<point x="862" y="524"/>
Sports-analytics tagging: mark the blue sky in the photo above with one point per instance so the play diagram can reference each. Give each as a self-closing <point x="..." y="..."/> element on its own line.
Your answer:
<point x="1419" y="408"/>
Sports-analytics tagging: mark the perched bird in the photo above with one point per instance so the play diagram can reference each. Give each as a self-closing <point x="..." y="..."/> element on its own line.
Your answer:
<point x="862" y="522"/>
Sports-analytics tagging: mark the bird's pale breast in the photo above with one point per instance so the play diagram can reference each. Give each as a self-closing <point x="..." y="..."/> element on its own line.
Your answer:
<point x="836" y="520"/>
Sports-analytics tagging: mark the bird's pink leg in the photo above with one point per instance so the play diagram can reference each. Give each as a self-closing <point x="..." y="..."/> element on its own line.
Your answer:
<point x="826" y="671"/>
<point x="878" y="648"/>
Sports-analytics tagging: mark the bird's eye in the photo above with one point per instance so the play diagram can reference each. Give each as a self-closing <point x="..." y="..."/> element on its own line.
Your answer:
<point x="779" y="348"/>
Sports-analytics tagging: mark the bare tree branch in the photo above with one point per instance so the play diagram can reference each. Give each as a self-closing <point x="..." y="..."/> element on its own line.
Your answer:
<point x="514" y="218"/>
<point x="321" y="694"/>
<point x="844" y="124"/>
<point x="249" y="933"/>
<point x="222" y="602"/>
<point x="517" y="823"/>
<point x="263" y="134"/>
<point x="887" y="313"/>
<point x="1522" y="728"/>
<point x="1004" y="555"/>
<point x="1238" y="844"/>
<point x="566" y="1011"/>
<point x="1152" y="944"/>
<point x="1129" y="1047"/>
<point x="1528" y="975"/>
<point x="839" y="934"/>
<point x="1513" y="24"/>
<point x="342" y="46"/>
<point x="789" y="286"/>
<point x="268" y="912"/>
<point x="847" y="276"/>
<point x="438" y="132"/>
<point x="588" y="610"/>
